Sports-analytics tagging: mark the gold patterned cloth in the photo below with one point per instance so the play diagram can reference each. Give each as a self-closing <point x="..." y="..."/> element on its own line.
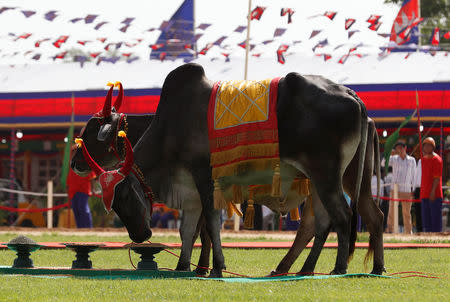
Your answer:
<point x="243" y="127"/>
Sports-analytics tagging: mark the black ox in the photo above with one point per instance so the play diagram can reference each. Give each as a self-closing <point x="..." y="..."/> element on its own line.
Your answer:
<point x="323" y="133"/>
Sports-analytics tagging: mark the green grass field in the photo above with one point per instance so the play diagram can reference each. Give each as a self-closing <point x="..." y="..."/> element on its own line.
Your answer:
<point x="248" y="262"/>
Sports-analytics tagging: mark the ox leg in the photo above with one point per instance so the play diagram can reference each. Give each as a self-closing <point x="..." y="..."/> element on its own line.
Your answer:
<point x="203" y="261"/>
<point x="205" y="188"/>
<point x="373" y="217"/>
<point x="330" y="192"/>
<point x="187" y="234"/>
<point x="322" y="226"/>
<point x="304" y="235"/>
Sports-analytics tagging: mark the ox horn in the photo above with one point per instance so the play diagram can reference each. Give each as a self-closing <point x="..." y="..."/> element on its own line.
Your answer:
<point x="107" y="107"/>
<point x="94" y="166"/>
<point x="119" y="98"/>
<point x="128" y="164"/>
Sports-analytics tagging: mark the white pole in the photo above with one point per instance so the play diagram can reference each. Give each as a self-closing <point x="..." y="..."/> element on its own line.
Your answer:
<point x="418" y="28"/>
<point x="395" y="209"/>
<point x="247" y="41"/>
<point x="49" y="204"/>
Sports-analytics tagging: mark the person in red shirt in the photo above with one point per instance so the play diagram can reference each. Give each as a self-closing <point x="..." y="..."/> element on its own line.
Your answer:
<point x="79" y="189"/>
<point x="431" y="188"/>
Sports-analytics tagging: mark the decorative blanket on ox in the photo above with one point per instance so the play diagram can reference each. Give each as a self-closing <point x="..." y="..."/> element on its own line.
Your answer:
<point x="243" y="127"/>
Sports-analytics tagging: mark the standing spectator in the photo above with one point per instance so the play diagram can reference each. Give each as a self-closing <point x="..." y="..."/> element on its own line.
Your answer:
<point x="403" y="170"/>
<point x="431" y="188"/>
<point x="387" y="189"/>
<point x="417" y="205"/>
<point x="79" y="189"/>
<point x="161" y="216"/>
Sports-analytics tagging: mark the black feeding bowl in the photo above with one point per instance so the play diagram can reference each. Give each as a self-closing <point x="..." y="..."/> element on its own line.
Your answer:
<point x="23" y="246"/>
<point x="82" y="251"/>
<point x="147" y="252"/>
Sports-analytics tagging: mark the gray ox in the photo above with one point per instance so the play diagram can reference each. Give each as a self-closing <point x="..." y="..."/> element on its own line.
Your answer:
<point x="321" y="127"/>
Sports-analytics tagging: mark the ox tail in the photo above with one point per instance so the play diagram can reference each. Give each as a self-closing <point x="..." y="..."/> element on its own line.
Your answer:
<point x="376" y="147"/>
<point x="362" y="155"/>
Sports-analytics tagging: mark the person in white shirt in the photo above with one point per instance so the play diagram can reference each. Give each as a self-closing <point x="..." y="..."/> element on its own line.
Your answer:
<point x="403" y="174"/>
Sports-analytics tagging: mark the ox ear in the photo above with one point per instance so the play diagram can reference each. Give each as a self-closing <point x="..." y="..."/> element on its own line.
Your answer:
<point x="104" y="132"/>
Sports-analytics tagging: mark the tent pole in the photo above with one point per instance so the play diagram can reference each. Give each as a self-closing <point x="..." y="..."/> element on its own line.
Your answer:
<point x="247" y="41"/>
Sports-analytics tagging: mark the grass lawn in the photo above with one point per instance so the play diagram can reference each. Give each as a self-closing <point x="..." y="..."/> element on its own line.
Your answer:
<point x="249" y="262"/>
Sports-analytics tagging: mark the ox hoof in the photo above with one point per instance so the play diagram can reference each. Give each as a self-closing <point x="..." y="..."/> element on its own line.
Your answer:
<point x="305" y="273"/>
<point x="337" y="271"/>
<point x="201" y="271"/>
<point x="215" y="273"/>
<point x="275" y="274"/>
<point x="378" y="270"/>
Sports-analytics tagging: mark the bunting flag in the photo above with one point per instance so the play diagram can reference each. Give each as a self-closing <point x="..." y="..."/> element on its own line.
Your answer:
<point x="330" y="15"/>
<point x="289" y="12"/>
<point x="127" y="54"/>
<point x="90" y="18"/>
<point x="39" y="42"/>
<point x="131" y="60"/>
<point x="407" y="55"/>
<point x="203" y="26"/>
<point x="279" y="32"/>
<point x="343" y="59"/>
<point x="23" y="36"/>
<point x="75" y="20"/>
<point x="28" y="13"/>
<point x="102" y="39"/>
<point x="61" y="55"/>
<point x="256" y="55"/>
<point x="447" y="35"/>
<point x="220" y="40"/>
<point x="99" y="25"/>
<point x="124" y="28"/>
<point x="320" y="44"/>
<point x="348" y="23"/>
<point x="127" y="21"/>
<point x="162" y="56"/>
<point x="36" y="57"/>
<point x="83" y="42"/>
<point x="257" y="13"/>
<point x="206" y="48"/>
<point x="240" y="29"/>
<point x="50" y="15"/>
<point x="280" y="53"/>
<point x="352" y="32"/>
<point x="94" y="54"/>
<point x="375" y="26"/>
<point x="243" y="45"/>
<point x="4" y="9"/>
<point x="326" y="57"/>
<point x="80" y="59"/>
<point x="434" y="40"/>
<point x="267" y="42"/>
<point x="314" y="33"/>
<point x="118" y="45"/>
<point x="61" y="40"/>
<point x="404" y="29"/>
<point x="227" y="56"/>
<point x="373" y="19"/>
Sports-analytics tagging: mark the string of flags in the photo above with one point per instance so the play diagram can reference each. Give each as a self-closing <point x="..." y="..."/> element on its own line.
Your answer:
<point x="402" y="32"/>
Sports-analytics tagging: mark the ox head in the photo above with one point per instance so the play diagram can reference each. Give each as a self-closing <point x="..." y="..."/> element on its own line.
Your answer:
<point x="98" y="135"/>
<point x="122" y="192"/>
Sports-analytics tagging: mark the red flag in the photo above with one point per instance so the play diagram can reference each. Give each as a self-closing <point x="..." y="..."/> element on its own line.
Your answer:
<point x="330" y="15"/>
<point x="60" y="41"/>
<point x="435" y="37"/>
<point x="94" y="54"/>
<point x="83" y="42"/>
<point x="256" y="55"/>
<point x="280" y="53"/>
<point x="206" y="48"/>
<point x="373" y="19"/>
<point x="403" y="29"/>
<point x="61" y="55"/>
<point x="38" y="42"/>
<point x="162" y="56"/>
<point x="326" y="57"/>
<point x="127" y="54"/>
<point x="349" y="22"/>
<point x="447" y="35"/>
<point x="102" y="39"/>
<point x="375" y="26"/>
<point x="343" y="59"/>
<point x="289" y="12"/>
<point x="257" y="13"/>
<point x="24" y="36"/>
